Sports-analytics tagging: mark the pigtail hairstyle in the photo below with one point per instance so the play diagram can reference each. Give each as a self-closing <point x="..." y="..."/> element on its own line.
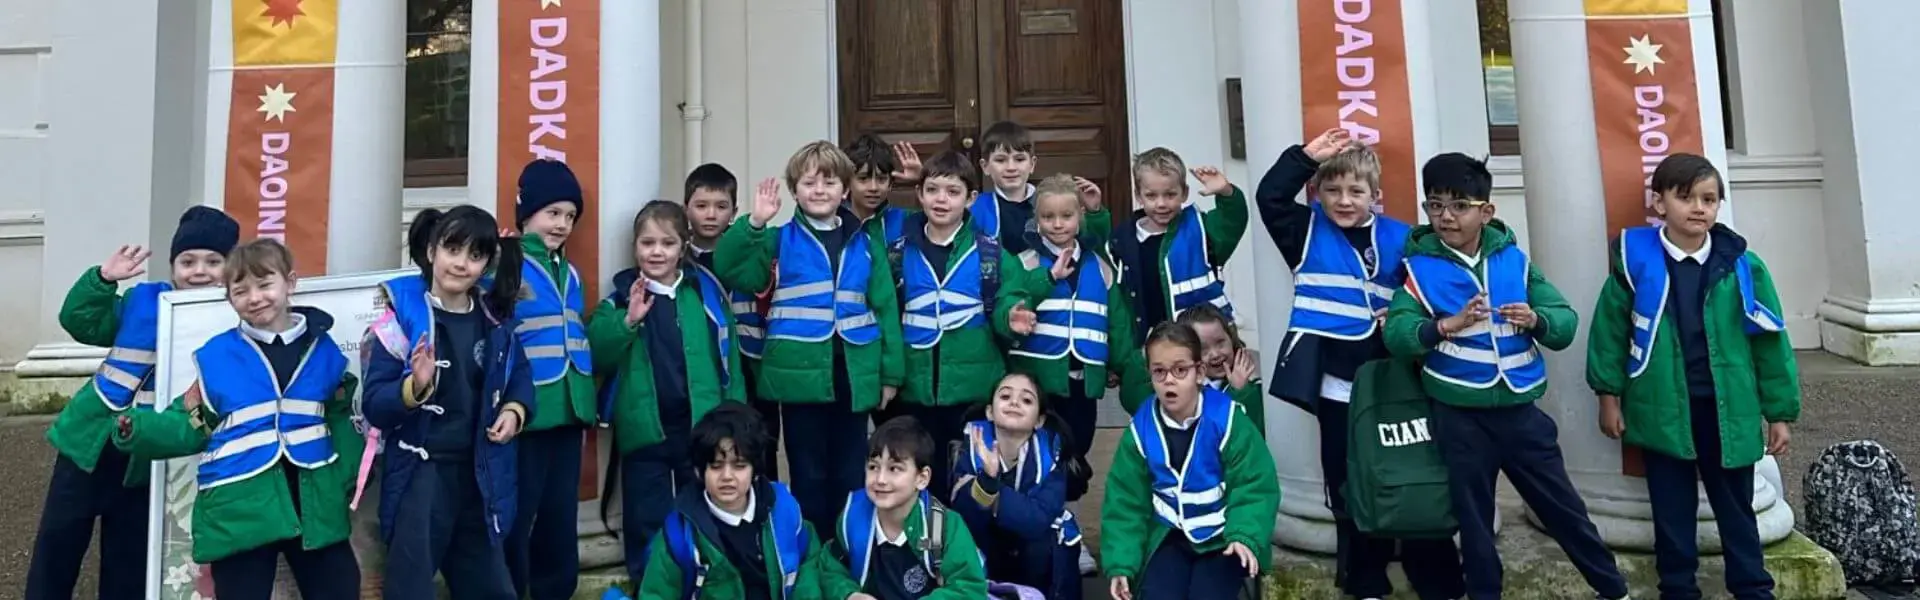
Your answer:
<point x="471" y="229"/>
<point x="1208" y="313"/>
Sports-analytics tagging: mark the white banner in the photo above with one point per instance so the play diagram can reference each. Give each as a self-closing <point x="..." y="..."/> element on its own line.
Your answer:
<point x="188" y="318"/>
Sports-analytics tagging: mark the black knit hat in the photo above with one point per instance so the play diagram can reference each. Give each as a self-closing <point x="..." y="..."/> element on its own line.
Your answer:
<point x="205" y="228"/>
<point x="544" y="182"/>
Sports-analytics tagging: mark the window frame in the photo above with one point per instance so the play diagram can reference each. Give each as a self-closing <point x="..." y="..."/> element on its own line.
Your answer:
<point x="1504" y="140"/>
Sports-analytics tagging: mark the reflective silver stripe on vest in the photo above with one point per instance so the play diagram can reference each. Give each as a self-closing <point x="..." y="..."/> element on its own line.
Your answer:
<point x="143" y="398"/>
<point x="800" y="314"/>
<point x="548" y="322"/>
<point x="855" y="322"/>
<point x="850" y="297"/>
<point x="1486" y="356"/>
<point x="944" y="322"/>
<point x="1194" y="284"/>
<point x="743" y="307"/>
<point x="1071" y="304"/>
<point x="145" y="357"/>
<point x="802" y="290"/>
<point x="555" y="350"/>
<point x="1332" y="308"/>
<point x="1070" y="333"/>
<point x="119" y="376"/>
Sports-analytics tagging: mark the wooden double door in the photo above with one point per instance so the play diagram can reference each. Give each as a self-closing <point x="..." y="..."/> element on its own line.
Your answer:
<point x="937" y="73"/>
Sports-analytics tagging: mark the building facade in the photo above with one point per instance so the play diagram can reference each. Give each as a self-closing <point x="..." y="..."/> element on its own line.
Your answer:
<point x="1808" y="107"/>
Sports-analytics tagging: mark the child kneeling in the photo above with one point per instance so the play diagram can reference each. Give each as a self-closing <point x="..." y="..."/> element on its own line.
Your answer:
<point x="737" y="535"/>
<point x="895" y="542"/>
<point x="1192" y="493"/>
<point x="1011" y="487"/>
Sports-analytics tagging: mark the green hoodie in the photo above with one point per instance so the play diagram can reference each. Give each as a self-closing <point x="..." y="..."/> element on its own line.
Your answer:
<point x="1407" y="318"/>
<point x="567" y="402"/>
<point x="259" y="510"/>
<point x="1754" y="377"/>
<point x="795" y="372"/>
<point x="91" y="314"/>
<point x="620" y="349"/>
<point x="962" y="576"/>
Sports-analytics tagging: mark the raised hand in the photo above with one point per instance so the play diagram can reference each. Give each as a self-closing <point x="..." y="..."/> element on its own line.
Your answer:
<point x="638" y="301"/>
<point x="423" y="364"/>
<point x="1063" y="267"/>
<point x="1212" y="181"/>
<point x="909" y="159"/>
<point x="766" y="202"/>
<point x="989" y="463"/>
<point x="126" y="263"/>
<point x="1090" y="197"/>
<point x="1242" y="371"/>
<point x="1022" y="320"/>
<point x="1328" y="143"/>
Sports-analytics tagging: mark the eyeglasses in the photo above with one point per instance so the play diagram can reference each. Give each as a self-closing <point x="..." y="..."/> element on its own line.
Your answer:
<point x="1179" y="371"/>
<point x="1455" y="208"/>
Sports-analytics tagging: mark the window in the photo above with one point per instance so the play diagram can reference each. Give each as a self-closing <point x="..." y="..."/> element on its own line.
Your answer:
<point x="1496" y="61"/>
<point x="439" y="41"/>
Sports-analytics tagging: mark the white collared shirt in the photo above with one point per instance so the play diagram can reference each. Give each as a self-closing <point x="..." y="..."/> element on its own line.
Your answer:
<point x="293" y="332"/>
<point x="1140" y="231"/>
<point x="950" y="235"/>
<point x="1059" y="253"/>
<point x="732" y="520"/>
<point x="1677" y="254"/>
<point x="1180" y="425"/>
<point x="698" y="251"/>
<point x="1472" y="260"/>
<point x="442" y="305"/>
<point x="662" y="289"/>
<point x="878" y="532"/>
<point x="821" y="224"/>
<point x="1027" y="193"/>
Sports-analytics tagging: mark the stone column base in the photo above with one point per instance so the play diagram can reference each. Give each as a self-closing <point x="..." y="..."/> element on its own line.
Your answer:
<point x="1874" y="332"/>
<point x="49" y="376"/>
<point x="1618" y="507"/>
<point x="1536" y="569"/>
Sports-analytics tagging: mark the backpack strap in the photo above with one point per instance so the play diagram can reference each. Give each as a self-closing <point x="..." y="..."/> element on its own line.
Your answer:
<point x="988" y="249"/>
<point x="686" y="555"/>
<point x="936" y="540"/>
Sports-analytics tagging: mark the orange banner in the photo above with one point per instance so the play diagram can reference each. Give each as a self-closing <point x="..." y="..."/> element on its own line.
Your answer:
<point x="550" y="108"/>
<point x="1646" y="106"/>
<point x="1353" y="74"/>
<point x="280" y="158"/>
<point x="285" y="32"/>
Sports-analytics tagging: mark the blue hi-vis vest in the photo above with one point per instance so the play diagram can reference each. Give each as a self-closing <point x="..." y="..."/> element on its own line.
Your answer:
<point x="936" y="304"/>
<point x="1645" y="261"/>
<point x="858" y="534"/>
<point x="1333" y="294"/>
<point x="713" y="301"/>
<point x="1191" y="278"/>
<point x="1042" y="455"/>
<point x="985" y="213"/>
<point x="125" y="378"/>
<point x="412" y="321"/>
<point x="893" y="221"/>
<point x="1190" y="498"/>
<point x="749" y="326"/>
<point x="811" y="302"/>
<point x="259" y="421"/>
<point x="1492" y="350"/>
<point x="789" y="539"/>
<point x="550" y="327"/>
<point x="1073" y="318"/>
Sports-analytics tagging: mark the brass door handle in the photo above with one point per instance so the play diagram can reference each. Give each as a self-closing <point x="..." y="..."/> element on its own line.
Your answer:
<point x="967" y="143"/>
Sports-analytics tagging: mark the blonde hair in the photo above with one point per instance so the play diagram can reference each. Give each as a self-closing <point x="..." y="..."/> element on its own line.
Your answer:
<point x="819" y="157"/>
<point x="1163" y="161"/>
<point x="1358" y="160"/>
<point x="261" y="257"/>
<point x="1059" y="184"/>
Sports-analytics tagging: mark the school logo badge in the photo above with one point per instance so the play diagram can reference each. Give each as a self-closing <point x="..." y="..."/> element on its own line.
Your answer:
<point x="914" y="580"/>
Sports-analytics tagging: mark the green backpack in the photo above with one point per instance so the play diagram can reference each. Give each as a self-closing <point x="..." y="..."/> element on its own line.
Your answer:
<point x="1396" y="481"/>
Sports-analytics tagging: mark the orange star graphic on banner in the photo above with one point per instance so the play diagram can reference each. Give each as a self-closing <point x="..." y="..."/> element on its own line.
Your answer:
<point x="282" y="11"/>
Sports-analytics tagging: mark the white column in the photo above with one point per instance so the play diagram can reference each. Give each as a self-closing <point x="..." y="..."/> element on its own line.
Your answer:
<point x="118" y="170"/>
<point x="1567" y="205"/>
<point x="1442" y="94"/>
<point x="1866" y="121"/>
<point x="369" y="136"/>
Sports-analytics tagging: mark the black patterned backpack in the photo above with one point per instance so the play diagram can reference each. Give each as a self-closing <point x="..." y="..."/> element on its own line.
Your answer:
<point x="1860" y="506"/>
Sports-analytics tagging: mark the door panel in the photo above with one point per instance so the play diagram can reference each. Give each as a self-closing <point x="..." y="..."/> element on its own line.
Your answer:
<point x="907" y="72"/>
<point x="1058" y="67"/>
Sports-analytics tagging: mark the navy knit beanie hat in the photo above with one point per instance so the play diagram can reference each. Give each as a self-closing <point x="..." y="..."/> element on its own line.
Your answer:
<point x="544" y="182"/>
<point x="205" y="228"/>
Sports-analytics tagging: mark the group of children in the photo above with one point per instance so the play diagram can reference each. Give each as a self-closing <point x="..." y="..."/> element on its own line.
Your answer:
<point x="972" y="337"/>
